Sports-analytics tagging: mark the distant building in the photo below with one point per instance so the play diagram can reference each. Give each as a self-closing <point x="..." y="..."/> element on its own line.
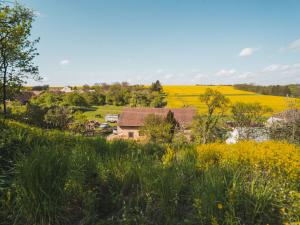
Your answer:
<point x="132" y="119"/>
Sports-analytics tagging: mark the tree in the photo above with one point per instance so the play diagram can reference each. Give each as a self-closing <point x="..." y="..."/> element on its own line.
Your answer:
<point x="17" y="52"/>
<point x="58" y="117"/>
<point x="75" y="99"/>
<point x="79" y="123"/>
<point x="157" y="129"/>
<point x="35" y="114"/>
<point x="246" y="116"/>
<point x="47" y="100"/>
<point x="207" y="127"/>
<point x="156" y="86"/>
<point x="171" y="120"/>
<point x="157" y="99"/>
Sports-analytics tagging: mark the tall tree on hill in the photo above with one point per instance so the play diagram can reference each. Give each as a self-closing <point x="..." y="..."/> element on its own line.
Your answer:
<point x="17" y="51"/>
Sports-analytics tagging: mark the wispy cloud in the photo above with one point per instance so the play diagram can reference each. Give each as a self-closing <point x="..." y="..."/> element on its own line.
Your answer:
<point x="225" y="72"/>
<point x="295" y="45"/>
<point x="247" y="52"/>
<point x="281" y="67"/>
<point x="64" y="62"/>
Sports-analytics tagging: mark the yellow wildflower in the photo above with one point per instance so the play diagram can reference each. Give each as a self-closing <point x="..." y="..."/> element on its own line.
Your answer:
<point x="220" y="206"/>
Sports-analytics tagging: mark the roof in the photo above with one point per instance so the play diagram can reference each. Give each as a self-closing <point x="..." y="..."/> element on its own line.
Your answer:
<point x="134" y="117"/>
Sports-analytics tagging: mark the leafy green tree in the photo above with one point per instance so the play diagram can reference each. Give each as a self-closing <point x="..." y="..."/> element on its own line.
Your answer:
<point x="171" y="120"/>
<point x="157" y="129"/>
<point x="158" y="99"/>
<point x="91" y="98"/>
<point x="78" y="125"/>
<point x="58" y="117"/>
<point x="17" y="51"/>
<point x="118" y="95"/>
<point x="75" y="99"/>
<point x="208" y="128"/>
<point x="47" y="100"/>
<point x="35" y="114"/>
<point x="248" y="114"/>
<point x="156" y="86"/>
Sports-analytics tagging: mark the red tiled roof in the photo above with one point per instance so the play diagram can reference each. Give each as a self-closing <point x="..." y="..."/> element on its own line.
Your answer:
<point x="134" y="117"/>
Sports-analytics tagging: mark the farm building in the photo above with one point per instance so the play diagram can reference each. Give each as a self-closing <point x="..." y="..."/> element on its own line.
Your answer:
<point x="132" y="119"/>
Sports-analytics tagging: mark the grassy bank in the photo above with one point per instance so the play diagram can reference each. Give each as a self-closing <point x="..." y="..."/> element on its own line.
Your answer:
<point x="57" y="178"/>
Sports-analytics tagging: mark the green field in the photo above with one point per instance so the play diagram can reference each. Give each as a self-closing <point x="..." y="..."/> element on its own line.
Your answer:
<point x="102" y="111"/>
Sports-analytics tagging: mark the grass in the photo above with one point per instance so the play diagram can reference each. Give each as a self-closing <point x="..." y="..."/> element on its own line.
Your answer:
<point x="102" y="111"/>
<point x="180" y="96"/>
<point x="50" y="178"/>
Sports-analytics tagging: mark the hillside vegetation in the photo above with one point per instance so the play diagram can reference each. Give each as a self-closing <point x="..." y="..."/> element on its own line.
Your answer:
<point x="51" y="177"/>
<point x="184" y="95"/>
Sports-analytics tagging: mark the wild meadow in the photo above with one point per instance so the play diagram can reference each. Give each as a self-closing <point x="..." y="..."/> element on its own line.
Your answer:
<point x="52" y="177"/>
<point x="185" y="95"/>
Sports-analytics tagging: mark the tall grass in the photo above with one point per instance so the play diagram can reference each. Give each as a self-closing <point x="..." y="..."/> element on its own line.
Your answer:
<point x="55" y="178"/>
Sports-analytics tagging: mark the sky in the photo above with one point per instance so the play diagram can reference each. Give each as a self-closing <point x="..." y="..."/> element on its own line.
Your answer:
<point x="174" y="41"/>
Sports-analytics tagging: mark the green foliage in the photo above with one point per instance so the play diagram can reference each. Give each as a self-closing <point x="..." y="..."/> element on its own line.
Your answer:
<point x="17" y="50"/>
<point x="58" y="117"/>
<point x="248" y="114"/>
<point x="209" y="127"/>
<point x="59" y="178"/>
<point x="156" y="86"/>
<point x="47" y="100"/>
<point x="34" y="114"/>
<point x="157" y="129"/>
<point x="39" y="185"/>
<point x="75" y="99"/>
<point x="279" y="90"/>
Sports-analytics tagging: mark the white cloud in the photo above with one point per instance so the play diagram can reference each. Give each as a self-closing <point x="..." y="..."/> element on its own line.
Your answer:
<point x="281" y="67"/>
<point x="247" y="52"/>
<point x="64" y="62"/>
<point x="295" y="45"/>
<point x="225" y="72"/>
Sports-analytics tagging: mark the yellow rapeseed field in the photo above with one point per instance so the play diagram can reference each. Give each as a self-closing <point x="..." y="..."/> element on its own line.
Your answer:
<point x="184" y="95"/>
<point x="279" y="158"/>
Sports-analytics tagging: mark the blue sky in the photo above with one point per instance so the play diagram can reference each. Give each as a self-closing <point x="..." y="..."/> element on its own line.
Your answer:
<point x="175" y="41"/>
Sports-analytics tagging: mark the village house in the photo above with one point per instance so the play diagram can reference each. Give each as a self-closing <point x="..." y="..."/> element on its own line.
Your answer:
<point x="132" y="119"/>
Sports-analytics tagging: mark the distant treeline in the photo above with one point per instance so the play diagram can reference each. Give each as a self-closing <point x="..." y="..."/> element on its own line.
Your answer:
<point x="278" y="90"/>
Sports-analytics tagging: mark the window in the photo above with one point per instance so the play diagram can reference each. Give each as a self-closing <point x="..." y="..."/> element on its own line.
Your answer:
<point x="130" y="134"/>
